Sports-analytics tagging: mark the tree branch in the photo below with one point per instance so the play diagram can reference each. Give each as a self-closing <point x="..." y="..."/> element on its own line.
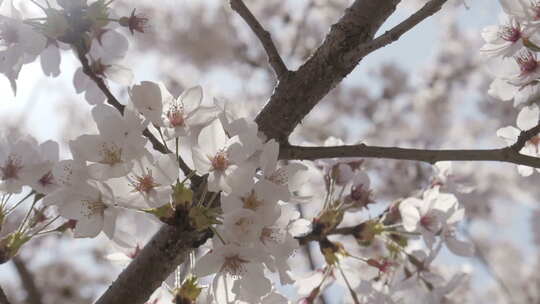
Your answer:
<point x="27" y="278"/>
<point x="3" y="297"/>
<point x="159" y="258"/>
<point x="507" y="154"/>
<point x="264" y="37"/>
<point x="296" y="95"/>
<point x="396" y="32"/>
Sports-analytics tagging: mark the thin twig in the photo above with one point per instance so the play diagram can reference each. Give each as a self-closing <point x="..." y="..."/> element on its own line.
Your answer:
<point x="264" y="37"/>
<point x="306" y="248"/>
<point x="483" y="259"/>
<point x="396" y="32"/>
<point x="508" y="154"/>
<point x="34" y="295"/>
<point x="300" y="27"/>
<point x="3" y="297"/>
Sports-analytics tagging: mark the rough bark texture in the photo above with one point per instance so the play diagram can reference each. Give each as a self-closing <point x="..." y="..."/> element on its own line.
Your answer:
<point x="297" y="93"/>
<point x="152" y="265"/>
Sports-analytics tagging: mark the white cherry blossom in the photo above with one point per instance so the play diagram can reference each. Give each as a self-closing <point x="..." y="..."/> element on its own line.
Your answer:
<point x="105" y="53"/>
<point x="19" y="42"/>
<point x="92" y="204"/>
<point x="19" y="163"/>
<point x="111" y="153"/>
<point x="527" y="119"/>
<point x="430" y="215"/>
<point x="223" y="159"/>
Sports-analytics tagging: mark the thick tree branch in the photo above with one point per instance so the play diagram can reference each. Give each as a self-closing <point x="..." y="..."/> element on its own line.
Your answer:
<point x="27" y="278"/>
<point x="3" y="297"/>
<point x="153" y="265"/>
<point x="264" y="37"/>
<point x="297" y="94"/>
<point x="396" y="32"/>
<point x="507" y="154"/>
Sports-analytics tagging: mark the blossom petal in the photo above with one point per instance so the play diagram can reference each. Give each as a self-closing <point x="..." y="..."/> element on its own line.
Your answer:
<point x="409" y="213"/>
<point x="528" y="117"/>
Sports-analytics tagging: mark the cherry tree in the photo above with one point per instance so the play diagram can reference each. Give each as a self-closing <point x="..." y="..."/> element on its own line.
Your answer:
<point x="271" y="195"/>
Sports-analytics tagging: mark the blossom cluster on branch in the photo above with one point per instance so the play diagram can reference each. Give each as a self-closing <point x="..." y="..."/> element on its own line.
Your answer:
<point x="199" y="166"/>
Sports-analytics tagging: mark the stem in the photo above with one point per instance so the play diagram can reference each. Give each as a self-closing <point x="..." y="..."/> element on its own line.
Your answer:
<point x="40" y="231"/>
<point x="38" y="5"/>
<point x="353" y="294"/>
<point x="218" y="235"/>
<point x="19" y="202"/>
<point x="28" y="214"/>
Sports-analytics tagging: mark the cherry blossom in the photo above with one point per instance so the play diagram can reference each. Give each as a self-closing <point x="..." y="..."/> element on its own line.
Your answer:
<point x="19" y="163"/>
<point x="19" y="44"/>
<point x="177" y="115"/>
<point x="505" y="40"/>
<point x="527" y="119"/>
<point x="111" y="152"/>
<point x="92" y="204"/>
<point x="105" y="53"/>
<point x="223" y="159"/>
<point x="435" y="213"/>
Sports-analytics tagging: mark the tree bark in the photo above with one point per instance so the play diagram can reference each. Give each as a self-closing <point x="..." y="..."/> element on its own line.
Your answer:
<point x="297" y="93"/>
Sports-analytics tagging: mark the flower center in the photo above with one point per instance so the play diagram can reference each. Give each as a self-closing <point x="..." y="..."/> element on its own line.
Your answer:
<point x="220" y="161"/>
<point x="429" y="222"/>
<point x="93" y="207"/>
<point x="527" y="62"/>
<point x="234" y="265"/>
<point x="176" y="116"/>
<point x="111" y="154"/>
<point x="145" y="183"/>
<point x="11" y="168"/>
<point x="510" y="33"/>
<point x="47" y="179"/>
<point x="251" y="201"/>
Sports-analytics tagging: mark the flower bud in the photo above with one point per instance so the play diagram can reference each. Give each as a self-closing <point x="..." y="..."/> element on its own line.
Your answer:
<point x="188" y="292"/>
<point x="10" y="245"/>
<point x="332" y="251"/>
<point x="327" y="221"/>
<point x="365" y="232"/>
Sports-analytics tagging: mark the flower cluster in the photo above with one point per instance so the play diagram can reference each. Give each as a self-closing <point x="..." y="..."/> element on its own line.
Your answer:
<point x="511" y="48"/>
<point x="158" y="160"/>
